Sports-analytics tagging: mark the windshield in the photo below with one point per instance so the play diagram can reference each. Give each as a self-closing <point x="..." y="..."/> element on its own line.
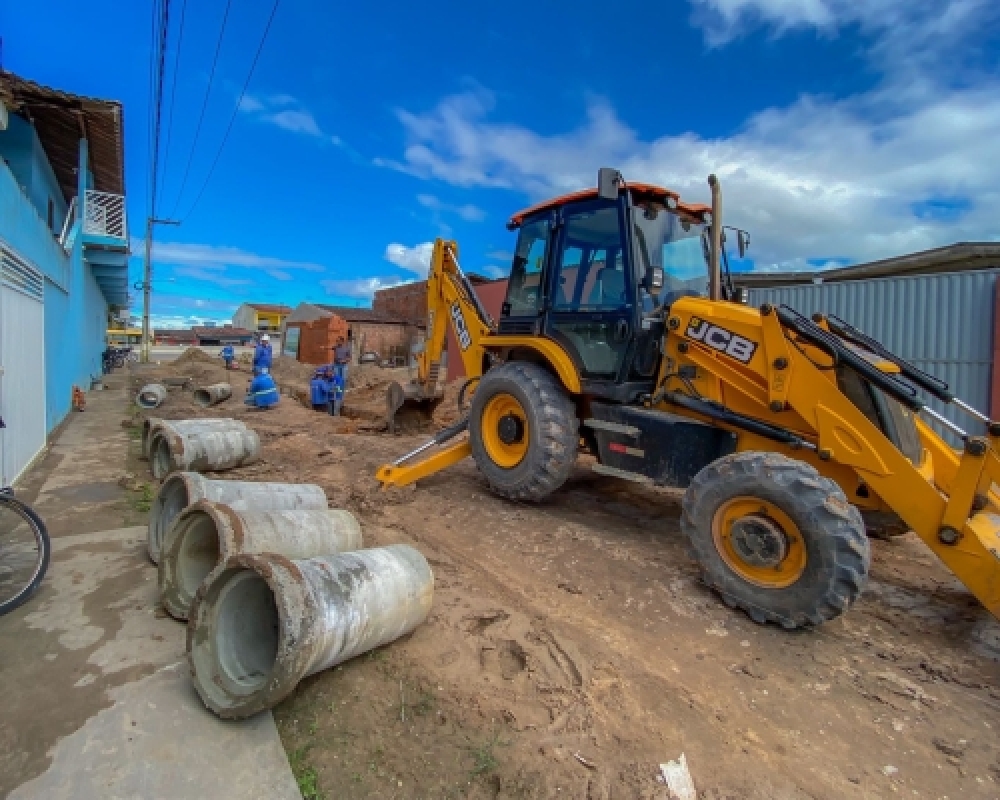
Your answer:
<point x="674" y="244"/>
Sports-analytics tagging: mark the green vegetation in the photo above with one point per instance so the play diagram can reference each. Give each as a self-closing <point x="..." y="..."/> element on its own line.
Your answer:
<point x="484" y="758"/>
<point x="141" y="499"/>
<point x="305" y="774"/>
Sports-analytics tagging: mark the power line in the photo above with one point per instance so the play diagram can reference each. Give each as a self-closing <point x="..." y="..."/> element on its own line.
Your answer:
<point x="173" y="86"/>
<point x="155" y="18"/>
<point x="161" y="59"/>
<point x="236" y="109"/>
<point x="204" y="105"/>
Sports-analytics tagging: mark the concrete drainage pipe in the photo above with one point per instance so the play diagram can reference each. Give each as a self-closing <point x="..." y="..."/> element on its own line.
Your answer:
<point x="182" y="489"/>
<point x="207" y="533"/>
<point x="172" y="450"/>
<point x="152" y="424"/>
<point x="261" y="623"/>
<point x="211" y="395"/>
<point x="151" y="396"/>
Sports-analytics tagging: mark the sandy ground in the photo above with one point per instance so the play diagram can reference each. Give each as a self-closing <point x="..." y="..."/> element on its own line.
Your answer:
<point x="571" y="650"/>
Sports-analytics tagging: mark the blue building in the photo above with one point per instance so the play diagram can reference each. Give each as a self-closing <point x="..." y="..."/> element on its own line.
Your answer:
<point x="63" y="252"/>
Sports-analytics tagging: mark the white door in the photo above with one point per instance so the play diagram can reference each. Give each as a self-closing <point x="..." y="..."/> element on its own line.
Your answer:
<point x="22" y="364"/>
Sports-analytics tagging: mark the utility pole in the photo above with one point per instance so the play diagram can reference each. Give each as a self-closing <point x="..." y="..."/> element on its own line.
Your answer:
<point x="147" y="283"/>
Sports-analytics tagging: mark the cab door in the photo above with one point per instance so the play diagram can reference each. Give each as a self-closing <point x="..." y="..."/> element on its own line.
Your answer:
<point x="590" y="311"/>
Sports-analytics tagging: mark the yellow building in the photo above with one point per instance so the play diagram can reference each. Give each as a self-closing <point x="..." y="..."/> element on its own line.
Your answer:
<point x="260" y="316"/>
<point x="124" y="337"/>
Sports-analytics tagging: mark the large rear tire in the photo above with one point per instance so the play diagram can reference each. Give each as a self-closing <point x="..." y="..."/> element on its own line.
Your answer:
<point x="523" y="430"/>
<point x="776" y="539"/>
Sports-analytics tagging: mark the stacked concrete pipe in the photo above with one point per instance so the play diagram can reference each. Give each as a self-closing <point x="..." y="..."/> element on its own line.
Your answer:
<point x="151" y="396"/>
<point x="151" y="425"/>
<point x="206" y="396"/>
<point x="261" y="623"/>
<point x="182" y="489"/>
<point x="206" y="534"/>
<point x="171" y="450"/>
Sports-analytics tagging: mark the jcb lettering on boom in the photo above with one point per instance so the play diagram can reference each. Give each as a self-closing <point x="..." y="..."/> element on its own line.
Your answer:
<point x="461" y="330"/>
<point x="732" y="344"/>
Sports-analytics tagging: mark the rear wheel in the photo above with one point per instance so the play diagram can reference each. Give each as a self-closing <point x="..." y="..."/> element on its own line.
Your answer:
<point x="523" y="430"/>
<point x="776" y="539"/>
<point x="24" y="552"/>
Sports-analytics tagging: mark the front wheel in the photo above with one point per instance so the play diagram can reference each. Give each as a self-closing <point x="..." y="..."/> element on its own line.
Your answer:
<point x="523" y="430"/>
<point x="24" y="552"/>
<point x="776" y="539"/>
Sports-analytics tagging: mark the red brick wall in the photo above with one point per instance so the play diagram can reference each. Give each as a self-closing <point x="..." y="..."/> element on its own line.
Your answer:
<point x="317" y="338"/>
<point x="385" y="338"/>
<point x="491" y="295"/>
<point x="406" y="302"/>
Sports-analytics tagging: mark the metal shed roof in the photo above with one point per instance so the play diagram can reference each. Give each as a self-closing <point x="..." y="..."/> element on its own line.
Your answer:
<point x="61" y="119"/>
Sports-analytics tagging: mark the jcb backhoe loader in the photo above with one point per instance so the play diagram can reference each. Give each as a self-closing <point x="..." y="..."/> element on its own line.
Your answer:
<point x="621" y="335"/>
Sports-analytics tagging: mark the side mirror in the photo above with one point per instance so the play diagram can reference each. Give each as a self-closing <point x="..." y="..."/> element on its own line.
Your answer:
<point x="608" y="180"/>
<point x="654" y="279"/>
<point x="743" y="242"/>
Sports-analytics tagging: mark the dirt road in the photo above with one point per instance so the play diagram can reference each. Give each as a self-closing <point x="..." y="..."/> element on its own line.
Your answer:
<point x="572" y="649"/>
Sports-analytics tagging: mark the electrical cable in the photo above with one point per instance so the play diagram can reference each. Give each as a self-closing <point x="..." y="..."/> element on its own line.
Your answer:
<point x="161" y="59"/>
<point x="236" y="109"/>
<point x="204" y="106"/>
<point x="173" y="87"/>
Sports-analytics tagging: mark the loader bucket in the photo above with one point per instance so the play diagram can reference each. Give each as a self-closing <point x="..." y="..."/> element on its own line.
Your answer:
<point x="410" y="399"/>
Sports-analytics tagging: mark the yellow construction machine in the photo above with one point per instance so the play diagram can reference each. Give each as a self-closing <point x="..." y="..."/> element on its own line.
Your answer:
<point x="622" y="336"/>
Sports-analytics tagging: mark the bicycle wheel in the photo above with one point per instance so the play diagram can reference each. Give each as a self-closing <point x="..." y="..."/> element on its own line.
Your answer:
<point x="24" y="552"/>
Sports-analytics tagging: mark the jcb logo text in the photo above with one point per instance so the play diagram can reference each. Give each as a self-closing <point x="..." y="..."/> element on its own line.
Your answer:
<point x="732" y="344"/>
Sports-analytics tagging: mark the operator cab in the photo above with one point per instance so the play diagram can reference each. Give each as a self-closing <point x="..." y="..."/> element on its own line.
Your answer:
<point x="594" y="270"/>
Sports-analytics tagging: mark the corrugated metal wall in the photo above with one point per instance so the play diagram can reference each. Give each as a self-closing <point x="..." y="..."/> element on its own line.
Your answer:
<point x="942" y="323"/>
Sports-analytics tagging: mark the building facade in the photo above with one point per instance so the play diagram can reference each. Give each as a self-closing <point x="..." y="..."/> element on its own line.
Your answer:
<point x="371" y="331"/>
<point x="64" y="252"/>
<point x="264" y="317"/>
<point x="409" y="300"/>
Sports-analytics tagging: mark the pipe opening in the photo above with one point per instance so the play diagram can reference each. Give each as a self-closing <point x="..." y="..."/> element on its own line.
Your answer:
<point x="246" y="632"/>
<point x="198" y="554"/>
<point x="202" y="397"/>
<point x="159" y="457"/>
<point x="170" y="501"/>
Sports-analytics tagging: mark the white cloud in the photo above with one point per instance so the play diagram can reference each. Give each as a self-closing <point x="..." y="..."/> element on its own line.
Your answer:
<point x="208" y="256"/>
<point x="468" y="212"/>
<point x="358" y="287"/>
<point x="902" y="167"/>
<point x="416" y="259"/>
<point x="296" y="121"/>
<point x="209" y="276"/>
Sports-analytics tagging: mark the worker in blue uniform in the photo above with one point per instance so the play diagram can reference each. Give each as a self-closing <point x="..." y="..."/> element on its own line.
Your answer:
<point x="262" y="356"/>
<point x="228" y="355"/>
<point x="341" y="361"/>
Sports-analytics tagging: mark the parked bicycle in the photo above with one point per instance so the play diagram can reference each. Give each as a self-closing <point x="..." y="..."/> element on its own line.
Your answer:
<point x="24" y="550"/>
<point x="116" y="357"/>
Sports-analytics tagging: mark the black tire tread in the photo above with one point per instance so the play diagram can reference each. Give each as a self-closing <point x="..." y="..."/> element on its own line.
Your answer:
<point x="805" y="494"/>
<point x="42" y="534"/>
<point x="551" y="464"/>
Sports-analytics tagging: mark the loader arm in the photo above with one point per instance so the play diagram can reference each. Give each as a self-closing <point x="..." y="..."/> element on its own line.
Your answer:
<point x="452" y="301"/>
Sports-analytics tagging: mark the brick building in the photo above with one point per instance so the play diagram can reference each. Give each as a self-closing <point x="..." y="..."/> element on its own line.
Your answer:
<point x="409" y="300"/>
<point x="388" y="335"/>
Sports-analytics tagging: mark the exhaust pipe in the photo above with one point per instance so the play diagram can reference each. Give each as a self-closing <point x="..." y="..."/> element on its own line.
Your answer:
<point x="212" y="395"/>
<point x="261" y="623"/>
<point x="183" y="489"/>
<point x="152" y="424"/>
<point x="207" y="533"/>
<point x="200" y="451"/>
<point x="715" y="242"/>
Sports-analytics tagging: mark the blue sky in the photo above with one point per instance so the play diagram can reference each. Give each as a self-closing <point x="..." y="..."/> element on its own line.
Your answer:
<point x="842" y="130"/>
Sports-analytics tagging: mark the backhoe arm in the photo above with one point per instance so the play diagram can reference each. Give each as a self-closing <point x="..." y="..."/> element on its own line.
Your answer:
<point x="450" y="300"/>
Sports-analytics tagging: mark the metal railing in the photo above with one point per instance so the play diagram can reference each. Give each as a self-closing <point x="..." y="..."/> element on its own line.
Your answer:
<point x="68" y="224"/>
<point x="104" y="214"/>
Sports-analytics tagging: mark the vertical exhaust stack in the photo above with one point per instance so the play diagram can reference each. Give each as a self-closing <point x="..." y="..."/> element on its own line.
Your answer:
<point x="183" y="489"/>
<point x="715" y="242"/>
<point x="206" y="534"/>
<point x="261" y="623"/>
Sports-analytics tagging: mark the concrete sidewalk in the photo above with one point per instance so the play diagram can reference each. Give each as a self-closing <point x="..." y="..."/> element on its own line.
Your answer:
<point x="97" y="698"/>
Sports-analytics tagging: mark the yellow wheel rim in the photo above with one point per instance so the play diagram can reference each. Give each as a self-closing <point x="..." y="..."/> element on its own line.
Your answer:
<point x="505" y="430"/>
<point x="759" y="542"/>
